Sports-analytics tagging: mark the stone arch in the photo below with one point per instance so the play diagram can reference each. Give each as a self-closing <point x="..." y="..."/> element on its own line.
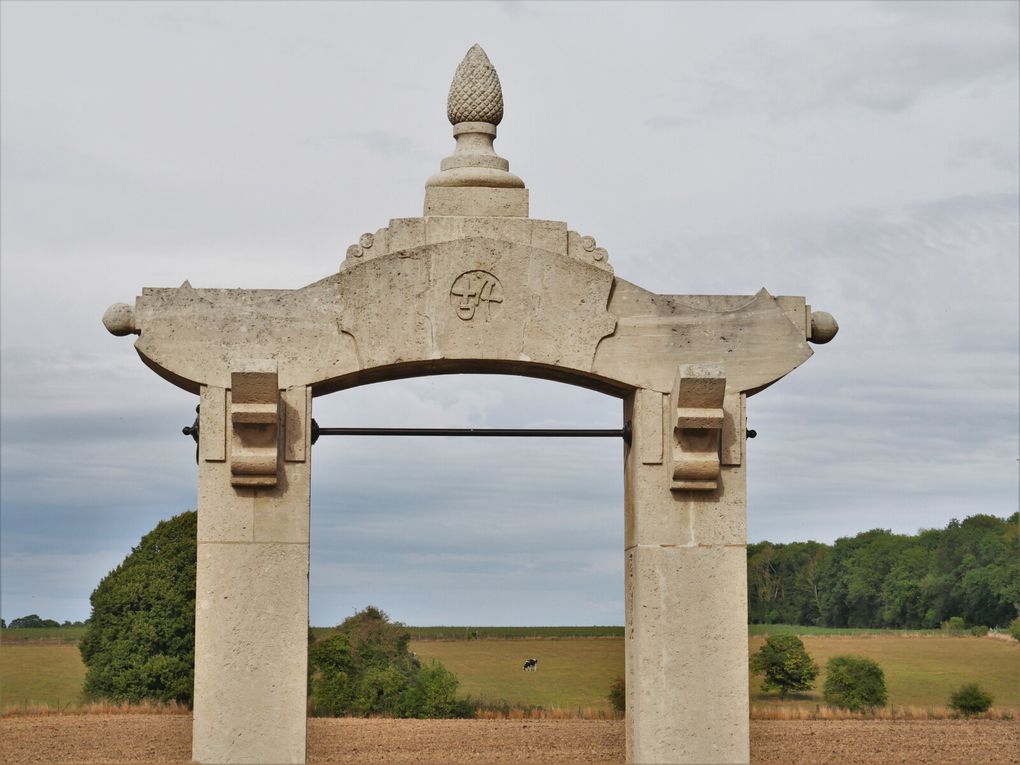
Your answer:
<point x="474" y="285"/>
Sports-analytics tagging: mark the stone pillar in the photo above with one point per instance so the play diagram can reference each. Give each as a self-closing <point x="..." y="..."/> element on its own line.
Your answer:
<point x="251" y="605"/>
<point x="686" y="597"/>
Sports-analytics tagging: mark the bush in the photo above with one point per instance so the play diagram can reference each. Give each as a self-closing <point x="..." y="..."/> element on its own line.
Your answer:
<point x="785" y="664"/>
<point x="367" y="668"/>
<point x="979" y="631"/>
<point x="971" y="699"/>
<point x="954" y="625"/>
<point x="618" y="695"/>
<point x="854" y="683"/>
<point x="1014" y="628"/>
<point x="140" y="641"/>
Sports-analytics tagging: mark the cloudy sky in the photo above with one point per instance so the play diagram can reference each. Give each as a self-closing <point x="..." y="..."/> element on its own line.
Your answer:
<point x="863" y="155"/>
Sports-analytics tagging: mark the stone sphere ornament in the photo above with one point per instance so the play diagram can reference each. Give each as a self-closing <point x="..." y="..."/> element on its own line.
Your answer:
<point x="119" y="319"/>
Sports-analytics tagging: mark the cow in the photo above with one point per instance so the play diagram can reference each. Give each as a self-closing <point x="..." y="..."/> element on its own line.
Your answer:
<point x="531" y="664"/>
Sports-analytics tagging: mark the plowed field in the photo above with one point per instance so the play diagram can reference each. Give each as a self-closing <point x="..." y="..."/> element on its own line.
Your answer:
<point x="62" y="739"/>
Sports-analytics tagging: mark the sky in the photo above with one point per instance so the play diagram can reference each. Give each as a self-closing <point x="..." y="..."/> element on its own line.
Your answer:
<point x="863" y="155"/>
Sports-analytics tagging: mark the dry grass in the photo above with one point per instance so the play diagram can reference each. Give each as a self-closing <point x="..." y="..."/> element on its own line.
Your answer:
<point x="537" y="713"/>
<point x="824" y="712"/>
<point x="96" y="708"/>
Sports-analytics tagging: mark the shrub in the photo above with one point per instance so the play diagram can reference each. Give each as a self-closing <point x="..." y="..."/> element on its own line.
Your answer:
<point x="140" y="641"/>
<point x="971" y="699"/>
<point x="854" y="683"/>
<point x="1014" y="628"/>
<point x="979" y="631"/>
<point x="618" y="695"/>
<point x="954" y="625"/>
<point x="785" y="664"/>
<point x="367" y="668"/>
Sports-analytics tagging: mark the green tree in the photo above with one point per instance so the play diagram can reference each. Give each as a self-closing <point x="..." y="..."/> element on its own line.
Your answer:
<point x="366" y="667"/>
<point x="140" y="640"/>
<point x="854" y="683"/>
<point x="32" y="621"/>
<point x="1014" y="628"/>
<point x="618" y="695"/>
<point x="971" y="699"/>
<point x="785" y="664"/>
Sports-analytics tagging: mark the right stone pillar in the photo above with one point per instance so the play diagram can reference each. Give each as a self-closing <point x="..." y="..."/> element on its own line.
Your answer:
<point x="686" y="589"/>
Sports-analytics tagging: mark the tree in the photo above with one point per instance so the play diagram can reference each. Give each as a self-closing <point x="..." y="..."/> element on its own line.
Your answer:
<point x="971" y="699"/>
<point x="854" y="683"/>
<point x="366" y="667"/>
<point x="1014" y="628"/>
<point x="32" y="621"/>
<point x="785" y="664"/>
<point x="618" y="695"/>
<point x="140" y="640"/>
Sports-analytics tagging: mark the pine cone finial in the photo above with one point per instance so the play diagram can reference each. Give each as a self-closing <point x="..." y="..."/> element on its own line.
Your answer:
<point x="475" y="93"/>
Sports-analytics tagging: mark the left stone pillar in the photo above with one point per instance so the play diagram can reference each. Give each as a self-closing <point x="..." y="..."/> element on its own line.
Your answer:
<point x="251" y="601"/>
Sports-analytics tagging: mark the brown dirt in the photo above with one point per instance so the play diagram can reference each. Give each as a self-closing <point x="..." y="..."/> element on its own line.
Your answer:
<point x="164" y="739"/>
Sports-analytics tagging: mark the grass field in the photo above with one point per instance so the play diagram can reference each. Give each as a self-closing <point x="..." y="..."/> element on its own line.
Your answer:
<point x="799" y="629"/>
<point x="921" y="669"/>
<point x="502" y="633"/>
<point x="49" y="675"/>
<point x="571" y="674"/>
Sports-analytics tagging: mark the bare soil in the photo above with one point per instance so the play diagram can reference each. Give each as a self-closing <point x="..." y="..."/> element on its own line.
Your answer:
<point x="150" y="739"/>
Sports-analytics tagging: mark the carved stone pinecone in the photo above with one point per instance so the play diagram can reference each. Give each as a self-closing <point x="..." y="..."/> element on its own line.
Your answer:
<point x="475" y="93"/>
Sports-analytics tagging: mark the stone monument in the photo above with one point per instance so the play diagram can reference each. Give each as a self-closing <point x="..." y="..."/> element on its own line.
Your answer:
<point x="474" y="285"/>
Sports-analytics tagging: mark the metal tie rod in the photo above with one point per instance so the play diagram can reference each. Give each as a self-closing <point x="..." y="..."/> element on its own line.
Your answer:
<point x="624" y="432"/>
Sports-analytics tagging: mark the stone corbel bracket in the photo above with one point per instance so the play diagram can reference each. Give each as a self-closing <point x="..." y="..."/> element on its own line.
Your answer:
<point x="697" y="412"/>
<point x="255" y="424"/>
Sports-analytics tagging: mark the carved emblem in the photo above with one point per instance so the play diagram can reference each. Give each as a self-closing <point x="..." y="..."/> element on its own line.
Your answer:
<point x="473" y="288"/>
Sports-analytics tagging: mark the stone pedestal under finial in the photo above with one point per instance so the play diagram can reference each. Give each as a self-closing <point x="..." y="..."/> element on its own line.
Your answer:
<point x="475" y="181"/>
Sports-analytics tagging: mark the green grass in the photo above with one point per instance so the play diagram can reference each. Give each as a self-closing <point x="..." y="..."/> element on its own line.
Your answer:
<point x="799" y="629"/>
<point x="42" y="635"/>
<point x="506" y="633"/>
<point x="920" y="670"/>
<point x="40" y="674"/>
<point x="571" y="673"/>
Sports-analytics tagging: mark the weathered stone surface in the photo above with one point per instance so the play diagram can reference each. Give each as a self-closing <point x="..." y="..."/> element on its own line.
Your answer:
<point x="475" y="299"/>
<point x="654" y="515"/>
<point x="194" y="337"/>
<point x="475" y="93"/>
<point x="686" y="655"/>
<point x="751" y="336"/>
<point x="251" y="630"/>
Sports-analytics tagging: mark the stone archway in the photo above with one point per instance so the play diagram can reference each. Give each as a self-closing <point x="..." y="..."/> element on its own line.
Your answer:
<point x="474" y="285"/>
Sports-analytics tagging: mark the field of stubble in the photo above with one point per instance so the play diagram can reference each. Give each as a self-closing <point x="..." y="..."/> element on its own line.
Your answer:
<point x="150" y="739"/>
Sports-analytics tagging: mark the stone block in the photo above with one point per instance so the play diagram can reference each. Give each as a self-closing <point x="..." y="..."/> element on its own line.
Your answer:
<point x="281" y="512"/>
<point x="212" y="443"/>
<point x="686" y="655"/>
<point x="225" y="513"/>
<point x="476" y="201"/>
<point x="655" y="515"/>
<point x="251" y="637"/>
<point x="297" y="416"/>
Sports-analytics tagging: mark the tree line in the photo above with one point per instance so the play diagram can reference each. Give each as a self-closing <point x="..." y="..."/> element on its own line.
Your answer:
<point x="970" y="569"/>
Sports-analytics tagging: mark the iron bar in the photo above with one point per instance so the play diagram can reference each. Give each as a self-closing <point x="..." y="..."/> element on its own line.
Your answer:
<point x="623" y="432"/>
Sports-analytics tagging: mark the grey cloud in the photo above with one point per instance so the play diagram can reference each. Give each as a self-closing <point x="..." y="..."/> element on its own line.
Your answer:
<point x="861" y="155"/>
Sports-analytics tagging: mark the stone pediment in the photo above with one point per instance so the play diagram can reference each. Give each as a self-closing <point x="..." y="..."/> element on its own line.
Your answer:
<point x="506" y="302"/>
